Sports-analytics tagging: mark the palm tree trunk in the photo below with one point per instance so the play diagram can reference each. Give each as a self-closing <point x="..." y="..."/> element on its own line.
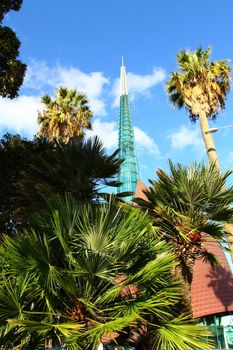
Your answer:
<point x="213" y="157"/>
<point x="207" y="137"/>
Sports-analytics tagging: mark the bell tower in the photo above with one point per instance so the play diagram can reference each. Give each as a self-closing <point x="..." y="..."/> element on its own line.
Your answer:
<point x="129" y="173"/>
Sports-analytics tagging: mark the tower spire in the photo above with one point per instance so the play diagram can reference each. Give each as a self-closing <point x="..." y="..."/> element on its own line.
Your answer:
<point x="123" y="82"/>
<point x="128" y="174"/>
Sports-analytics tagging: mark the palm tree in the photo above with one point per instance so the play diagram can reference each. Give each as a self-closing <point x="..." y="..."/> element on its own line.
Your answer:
<point x="201" y="86"/>
<point x="81" y="167"/>
<point x="186" y="205"/>
<point x="66" y="116"/>
<point x="16" y="154"/>
<point x="85" y="274"/>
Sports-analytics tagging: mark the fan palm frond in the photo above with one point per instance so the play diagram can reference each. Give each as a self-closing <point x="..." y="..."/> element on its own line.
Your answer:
<point x="186" y="205"/>
<point x="65" y="117"/>
<point x="200" y="85"/>
<point x="92" y="272"/>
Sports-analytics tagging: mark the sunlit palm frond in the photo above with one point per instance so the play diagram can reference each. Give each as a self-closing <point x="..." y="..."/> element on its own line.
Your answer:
<point x="173" y="335"/>
<point x="65" y="117"/>
<point x="185" y="205"/>
<point x="93" y="272"/>
<point x="199" y="85"/>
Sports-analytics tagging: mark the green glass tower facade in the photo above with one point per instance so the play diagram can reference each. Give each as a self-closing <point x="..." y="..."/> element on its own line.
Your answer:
<point x="129" y="173"/>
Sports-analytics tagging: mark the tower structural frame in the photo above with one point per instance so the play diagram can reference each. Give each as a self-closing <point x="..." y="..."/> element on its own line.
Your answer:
<point x="129" y="172"/>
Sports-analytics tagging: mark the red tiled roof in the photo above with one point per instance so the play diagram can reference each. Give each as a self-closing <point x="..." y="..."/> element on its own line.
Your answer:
<point x="212" y="289"/>
<point x="139" y="190"/>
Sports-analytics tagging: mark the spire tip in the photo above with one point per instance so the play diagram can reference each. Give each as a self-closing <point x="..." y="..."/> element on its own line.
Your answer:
<point x="123" y="82"/>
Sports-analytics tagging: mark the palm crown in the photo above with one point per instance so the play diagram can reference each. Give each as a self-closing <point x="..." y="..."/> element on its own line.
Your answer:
<point x="66" y="116"/>
<point x="187" y="204"/>
<point x="85" y="274"/>
<point x="81" y="167"/>
<point x="201" y="85"/>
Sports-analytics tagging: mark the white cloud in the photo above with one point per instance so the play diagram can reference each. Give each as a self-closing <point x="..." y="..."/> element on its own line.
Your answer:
<point x="40" y="77"/>
<point x="91" y="84"/>
<point x="186" y="137"/>
<point x="108" y="133"/>
<point x="20" y="114"/>
<point x="139" y="84"/>
<point x="145" y="143"/>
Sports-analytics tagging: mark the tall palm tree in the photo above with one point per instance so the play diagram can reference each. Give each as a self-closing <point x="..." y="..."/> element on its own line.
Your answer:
<point x="186" y="205"/>
<point x="66" y="116"/>
<point x="85" y="274"/>
<point x="201" y="86"/>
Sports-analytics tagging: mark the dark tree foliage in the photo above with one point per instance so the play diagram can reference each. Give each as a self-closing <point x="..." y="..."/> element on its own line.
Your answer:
<point x="16" y="154"/>
<point x="12" y="70"/>
<point x="8" y="5"/>
<point x="31" y="172"/>
<point x="81" y="168"/>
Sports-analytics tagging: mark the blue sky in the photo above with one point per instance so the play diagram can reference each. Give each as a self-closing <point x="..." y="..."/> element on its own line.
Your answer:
<point x="80" y="44"/>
